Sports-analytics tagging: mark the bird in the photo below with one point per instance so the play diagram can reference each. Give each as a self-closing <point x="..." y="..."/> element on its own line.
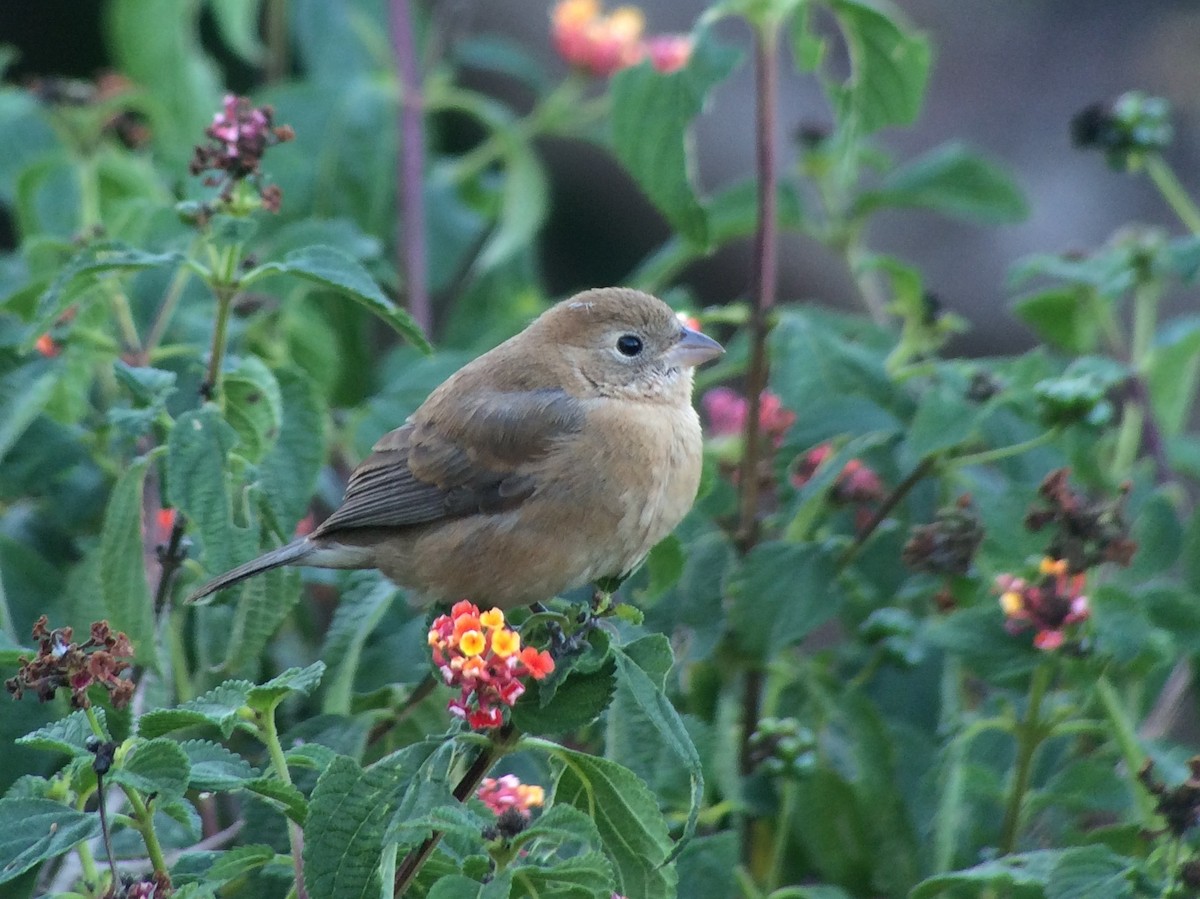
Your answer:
<point x="555" y="460"/>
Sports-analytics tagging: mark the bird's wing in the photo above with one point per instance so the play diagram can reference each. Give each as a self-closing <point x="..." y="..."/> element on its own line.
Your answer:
<point x="472" y="458"/>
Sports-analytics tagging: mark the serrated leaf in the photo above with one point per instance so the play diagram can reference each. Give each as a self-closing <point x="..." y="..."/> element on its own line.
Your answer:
<point x="457" y="886"/>
<point x="217" y="708"/>
<point x="33" y="830"/>
<point x="627" y="817"/>
<point x="253" y="406"/>
<point x="951" y="180"/>
<point x="148" y="386"/>
<point x="266" y="696"/>
<point x="361" y="608"/>
<point x="24" y="393"/>
<point x="352" y="807"/>
<point x="889" y="66"/>
<point x="264" y="604"/>
<point x="1086" y="871"/>
<point x="781" y="592"/>
<point x="81" y="272"/>
<point x="575" y="703"/>
<point x="640" y="708"/>
<point x="588" y="876"/>
<point x="214" y="869"/>
<point x="288" y="473"/>
<point x="213" y="767"/>
<point x="284" y="797"/>
<point x="1022" y="876"/>
<point x="127" y="600"/>
<point x="157" y="767"/>
<point x="334" y="269"/>
<point x="197" y="454"/>
<point x="651" y="120"/>
<point x="69" y="735"/>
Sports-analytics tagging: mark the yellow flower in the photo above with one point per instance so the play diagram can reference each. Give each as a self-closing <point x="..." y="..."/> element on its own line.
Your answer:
<point x="1011" y="602"/>
<point x="493" y="618"/>
<point x="505" y="642"/>
<point x="1053" y="566"/>
<point x="530" y="795"/>
<point x="471" y="643"/>
<point x="575" y="12"/>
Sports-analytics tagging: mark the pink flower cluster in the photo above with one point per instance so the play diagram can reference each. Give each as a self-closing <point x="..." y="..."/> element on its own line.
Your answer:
<point x="602" y="44"/>
<point x="726" y="411"/>
<point x="1049" y="606"/>
<point x="507" y="792"/>
<point x="240" y="134"/>
<point x="856" y="483"/>
<point x="478" y="653"/>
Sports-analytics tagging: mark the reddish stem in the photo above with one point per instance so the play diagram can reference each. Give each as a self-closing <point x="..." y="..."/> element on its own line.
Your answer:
<point x="411" y="166"/>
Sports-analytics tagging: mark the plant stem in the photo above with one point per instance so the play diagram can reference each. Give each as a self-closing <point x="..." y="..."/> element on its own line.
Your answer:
<point x="1131" y="750"/>
<point x="212" y="381"/>
<point x="269" y="734"/>
<point x="986" y="457"/>
<point x="787" y="804"/>
<point x="411" y="227"/>
<point x="407" y="871"/>
<point x="918" y="474"/>
<point x="766" y="72"/>
<point x="94" y="723"/>
<point x="145" y="826"/>
<point x="1173" y="192"/>
<point x="1030" y="733"/>
<point x="163" y="318"/>
<point x="278" y="45"/>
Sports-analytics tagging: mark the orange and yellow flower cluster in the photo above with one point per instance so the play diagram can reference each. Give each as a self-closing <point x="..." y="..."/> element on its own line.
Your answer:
<point x="507" y="792"/>
<point x="602" y="44"/>
<point x="478" y="653"/>
<point x="1050" y="606"/>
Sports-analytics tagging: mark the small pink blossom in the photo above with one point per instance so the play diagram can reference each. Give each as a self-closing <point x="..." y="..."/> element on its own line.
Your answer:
<point x="1050" y="605"/>
<point x="669" y="52"/>
<point x="726" y="410"/>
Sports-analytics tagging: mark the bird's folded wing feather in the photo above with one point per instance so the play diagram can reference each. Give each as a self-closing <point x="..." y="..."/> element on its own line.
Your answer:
<point x="450" y="462"/>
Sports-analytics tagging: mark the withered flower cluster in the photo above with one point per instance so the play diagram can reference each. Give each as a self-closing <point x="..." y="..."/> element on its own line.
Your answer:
<point x="1086" y="533"/>
<point x="60" y="662"/>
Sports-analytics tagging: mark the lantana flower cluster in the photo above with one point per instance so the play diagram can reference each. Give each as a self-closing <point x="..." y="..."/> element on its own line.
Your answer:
<point x="602" y="44"/>
<point x="1050" y="606"/>
<point x="60" y="662"/>
<point x="478" y="653"/>
<point x="506" y="794"/>
<point x="726" y="411"/>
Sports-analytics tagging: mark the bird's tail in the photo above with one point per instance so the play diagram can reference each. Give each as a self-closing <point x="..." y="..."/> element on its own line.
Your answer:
<point x="290" y="554"/>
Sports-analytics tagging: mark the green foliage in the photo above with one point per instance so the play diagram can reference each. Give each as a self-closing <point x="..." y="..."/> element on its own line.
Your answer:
<point x="924" y="656"/>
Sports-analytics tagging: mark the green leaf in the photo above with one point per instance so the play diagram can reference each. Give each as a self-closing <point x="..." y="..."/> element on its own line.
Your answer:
<point x="1174" y="371"/>
<point x="197" y="454"/>
<point x="283" y="797"/>
<point x="219" y="708"/>
<point x="889" y="66"/>
<point x="456" y="886"/>
<point x="944" y="420"/>
<point x="576" y="702"/>
<point x="1064" y="317"/>
<point x="33" y="830"/>
<point x="651" y="118"/>
<point x="351" y="807"/>
<point x="361" y="608"/>
<point x="237" y="21"/>
<point x="82" y="272"/>
<point x="264" y="604"/>
<point x="127" y="600"/>
<point x="781" y="592"/>
<point x="1021" y="876"/>
<point x="1159" y="537"/>
<point x="253" y="406"/>
<point x="640" y="708"/>
<point x="626" y="814"/>
<point x="157" y="767"/>
<point x="1086" y="871"/>
<point x="213" y="767"/>
<point x="337" y="270"/>
<point x="288" y="473"/>
<point x="951" y="180"/>
<point x="707" y="865"/>
<point x="148" y="386"/>
<point x="24" y="393"/>
<point x="69" y="735"/>
<point x="264" y="698"/>
<point x="523" y="204"/>
<point x="215" y="869"/>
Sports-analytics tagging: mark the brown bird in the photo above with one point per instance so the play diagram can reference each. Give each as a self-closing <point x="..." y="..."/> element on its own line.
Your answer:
<point x="558" y="458"/>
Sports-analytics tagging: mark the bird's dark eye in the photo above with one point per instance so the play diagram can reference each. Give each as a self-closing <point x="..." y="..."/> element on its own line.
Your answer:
<point x="629" y="344"/>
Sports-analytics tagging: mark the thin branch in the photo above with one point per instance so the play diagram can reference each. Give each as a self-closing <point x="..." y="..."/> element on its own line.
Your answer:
<point x="410" y="170"/>
<point x="407" y="870"/>
<point x="918" y="474"/>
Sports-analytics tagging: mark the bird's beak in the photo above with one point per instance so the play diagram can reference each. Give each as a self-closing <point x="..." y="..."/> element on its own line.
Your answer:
<point x="693" y="349"/>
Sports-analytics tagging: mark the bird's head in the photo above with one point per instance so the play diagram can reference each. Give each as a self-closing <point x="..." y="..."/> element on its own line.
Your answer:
<point x="625" y="343"/>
